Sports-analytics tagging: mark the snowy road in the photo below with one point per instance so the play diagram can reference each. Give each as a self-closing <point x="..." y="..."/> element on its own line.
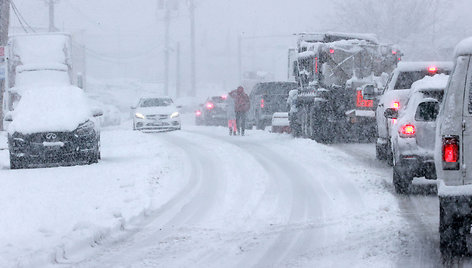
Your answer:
<point x="269" y="200"/>
<point x="199" y="198"/>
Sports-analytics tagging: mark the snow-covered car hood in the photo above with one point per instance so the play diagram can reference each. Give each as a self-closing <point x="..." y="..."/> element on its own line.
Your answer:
<point x="156" y="110"/>
<point x="44" y="109"/>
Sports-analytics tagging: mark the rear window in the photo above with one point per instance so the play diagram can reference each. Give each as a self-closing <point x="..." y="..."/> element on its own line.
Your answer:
<point x="438" y="95"/>
<point x="217" y="99"/>
<point x="274" y="89"/>
<point x="406" y="79"/>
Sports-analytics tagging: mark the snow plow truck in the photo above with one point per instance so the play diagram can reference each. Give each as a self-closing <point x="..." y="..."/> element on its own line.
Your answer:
<point x="339" y="76"/>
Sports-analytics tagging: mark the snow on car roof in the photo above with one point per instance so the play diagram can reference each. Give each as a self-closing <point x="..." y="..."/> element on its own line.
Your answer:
<point x="405" y="66"/>
<point x="464" y="47"/>
<point x="435" y="82"/>
<point x="40" y="48"/>
<point x="43" y="109"/>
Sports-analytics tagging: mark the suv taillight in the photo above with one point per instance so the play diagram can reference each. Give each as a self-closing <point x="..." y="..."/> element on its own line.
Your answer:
<point x="450" y="152"/>
<point x="407" y="131"/>
<point x="262" y="103"/>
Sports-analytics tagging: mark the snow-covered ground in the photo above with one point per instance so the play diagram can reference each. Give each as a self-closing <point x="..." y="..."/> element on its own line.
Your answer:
<point x="48" y="213"/>
<point x="200" y="198"/>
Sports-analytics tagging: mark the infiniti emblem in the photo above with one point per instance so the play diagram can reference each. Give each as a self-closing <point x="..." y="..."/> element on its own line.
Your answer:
<point x="51" y="136"/>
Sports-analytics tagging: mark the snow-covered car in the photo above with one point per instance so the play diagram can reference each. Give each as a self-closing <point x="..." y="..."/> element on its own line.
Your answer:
<point x="396" y="93"/>
<point x="53" y="126"/>
<point x="214" y="111"/>
<point x="453" y="156"/>
<point x="156" y="113"/>
<point x="280" y="123"/>
<point x="414" y="132"/>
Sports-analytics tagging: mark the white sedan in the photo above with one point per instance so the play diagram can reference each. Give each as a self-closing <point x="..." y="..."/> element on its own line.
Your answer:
<point x="156" y="113"/>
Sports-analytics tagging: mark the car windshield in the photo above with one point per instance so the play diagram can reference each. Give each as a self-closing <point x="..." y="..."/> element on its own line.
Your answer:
<point x="275" y="88"/>
<point x="217" y="99"/>
<point x="155" y="102"/>
<point x="406" y="79"/>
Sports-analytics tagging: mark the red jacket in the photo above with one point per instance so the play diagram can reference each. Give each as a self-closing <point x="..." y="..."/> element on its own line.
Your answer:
<point x="241" y="100"/>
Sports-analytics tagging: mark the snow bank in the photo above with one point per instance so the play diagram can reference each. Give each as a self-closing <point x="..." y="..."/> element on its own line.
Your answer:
<point x="51" y="214"/>
<point x="45" y="109"/>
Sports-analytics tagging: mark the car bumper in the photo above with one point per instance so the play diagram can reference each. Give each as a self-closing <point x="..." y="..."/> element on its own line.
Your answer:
<point x="418" y="165"/>
<point x="157" y="124"/>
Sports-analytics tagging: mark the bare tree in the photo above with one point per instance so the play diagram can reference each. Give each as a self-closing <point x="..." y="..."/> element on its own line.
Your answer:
<point x="419" y="26"/>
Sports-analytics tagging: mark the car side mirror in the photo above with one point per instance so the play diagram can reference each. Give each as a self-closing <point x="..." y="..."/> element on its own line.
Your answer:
<point x="8" y="117"/>
<point x="96" y="112"/>
<point x="391" y="113"/>
<point x="369" y="92"/>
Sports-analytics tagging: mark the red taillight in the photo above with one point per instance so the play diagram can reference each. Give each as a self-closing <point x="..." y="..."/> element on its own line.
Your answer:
<point x="198" y="113"/>
<point x="210" y="105"/>
<point x="432" y="69"/>
<point x="224" y="97"/>
<point x="407" y="131"/>
<point x="450" y="152"/>
<point x="331" y="50"/>
<point x="394" y="52"/>
<point x="396" y="105"/>
<point x="316" y="65"/>
<point x="262" y="103"/>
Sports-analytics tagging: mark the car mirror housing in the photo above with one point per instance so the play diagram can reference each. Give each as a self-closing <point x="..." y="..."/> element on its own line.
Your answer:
<point x="391" y="113"/>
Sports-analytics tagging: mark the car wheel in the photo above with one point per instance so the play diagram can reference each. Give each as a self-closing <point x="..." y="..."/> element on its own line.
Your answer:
<point x="401" y="180"/>
<point x="380" y="151"/>
<point x="16" y="163"/>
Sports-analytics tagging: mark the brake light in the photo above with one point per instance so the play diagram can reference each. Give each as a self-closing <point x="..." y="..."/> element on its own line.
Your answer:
<point x="407" y="131"/>
<point x="394" y="52"/>
<point x="396" y="105"/>
<point x="224" y="97"/>
<point x="331" y="50"/>
<point x="198" y="113"/>
<point x="316" y="65"/>
<point x="210" y="105"/>
<point x="262" y="103"/>
<point x="450" y="153"/>
<point x="432" y="69"/>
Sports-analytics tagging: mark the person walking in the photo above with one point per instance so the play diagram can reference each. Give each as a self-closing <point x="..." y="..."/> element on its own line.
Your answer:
<point x="241" y="107"/>
<point x="231" y="115"/>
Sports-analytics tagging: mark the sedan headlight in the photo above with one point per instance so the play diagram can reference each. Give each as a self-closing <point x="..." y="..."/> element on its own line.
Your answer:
<point x="174" y="115"/>
<point x="139" y="115"/>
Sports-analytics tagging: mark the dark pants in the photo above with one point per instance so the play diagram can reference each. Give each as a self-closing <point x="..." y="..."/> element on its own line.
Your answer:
<point x="241" y="121"/>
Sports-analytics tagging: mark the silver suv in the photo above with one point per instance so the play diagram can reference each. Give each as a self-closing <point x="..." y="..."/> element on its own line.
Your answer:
<point x="453" y="156"/>
<point x="413" y="133"/>
<point x="396" y="93"/>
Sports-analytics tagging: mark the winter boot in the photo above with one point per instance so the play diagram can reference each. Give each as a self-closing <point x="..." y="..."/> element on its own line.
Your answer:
<point x="230" y="131"/>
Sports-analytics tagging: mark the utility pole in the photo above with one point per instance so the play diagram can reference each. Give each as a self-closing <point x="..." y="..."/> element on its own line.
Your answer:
<point x="240" y="75"/>
<point x="193" y="90"/>
<point x="51" y="4"/>
<point x="4" y="24"/>
<point x="166" y="51"/>
<point x="177" y="74"/>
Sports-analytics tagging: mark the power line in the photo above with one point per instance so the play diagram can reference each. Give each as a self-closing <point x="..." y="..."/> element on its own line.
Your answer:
<point x="20" y="17"/>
